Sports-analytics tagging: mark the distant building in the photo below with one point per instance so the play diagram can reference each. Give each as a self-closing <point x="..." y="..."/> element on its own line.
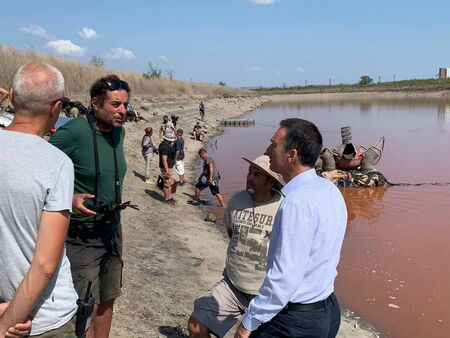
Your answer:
<point x="444" y="73"/>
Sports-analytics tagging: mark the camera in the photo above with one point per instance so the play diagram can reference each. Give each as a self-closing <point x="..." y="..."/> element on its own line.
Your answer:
<point x="109" y="210"/>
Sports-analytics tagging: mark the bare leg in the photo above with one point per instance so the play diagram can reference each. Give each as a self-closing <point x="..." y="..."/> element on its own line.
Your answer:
<point x="101" y="320"/>
<point x="168" y="189"/>
<point x="197" y="194"/>
<point x="221" y="200"/>
<point x="197" y="329"/>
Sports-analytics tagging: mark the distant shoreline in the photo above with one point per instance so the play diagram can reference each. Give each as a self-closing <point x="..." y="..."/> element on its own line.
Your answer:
<point x="360" y="95"/>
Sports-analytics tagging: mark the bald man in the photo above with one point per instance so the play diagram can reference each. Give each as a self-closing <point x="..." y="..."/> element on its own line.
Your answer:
<point x="35" y="206"/>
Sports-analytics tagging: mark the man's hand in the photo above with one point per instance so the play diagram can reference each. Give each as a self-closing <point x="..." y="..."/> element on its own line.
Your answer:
<point x="19" y="330"/>
<point x="242" y="332"/>
<point x="78" y="206"/>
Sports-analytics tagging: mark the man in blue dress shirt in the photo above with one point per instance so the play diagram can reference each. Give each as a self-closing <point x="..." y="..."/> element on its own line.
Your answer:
<point x="296" y="298"/>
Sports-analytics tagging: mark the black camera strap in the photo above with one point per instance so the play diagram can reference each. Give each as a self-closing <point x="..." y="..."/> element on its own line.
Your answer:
<point x="93" y="124"/>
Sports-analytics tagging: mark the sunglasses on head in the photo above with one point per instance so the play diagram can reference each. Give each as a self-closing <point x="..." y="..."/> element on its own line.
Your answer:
<point x="115" y="85"/>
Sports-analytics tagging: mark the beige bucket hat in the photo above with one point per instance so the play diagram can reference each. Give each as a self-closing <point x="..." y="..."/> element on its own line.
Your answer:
<point x="263" y="163"/>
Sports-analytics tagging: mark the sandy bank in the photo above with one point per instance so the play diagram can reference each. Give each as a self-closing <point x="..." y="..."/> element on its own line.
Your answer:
<point x="171" y="255"/>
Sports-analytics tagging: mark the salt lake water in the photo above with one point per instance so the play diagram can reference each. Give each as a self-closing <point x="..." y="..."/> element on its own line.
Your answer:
<point x="395" y="264"/>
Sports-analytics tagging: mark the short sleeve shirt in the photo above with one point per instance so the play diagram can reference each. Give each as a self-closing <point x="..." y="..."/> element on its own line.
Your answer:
<point x="179" y="146"/>
<point x="248" y="247"/>
<point x="165" y="149"/>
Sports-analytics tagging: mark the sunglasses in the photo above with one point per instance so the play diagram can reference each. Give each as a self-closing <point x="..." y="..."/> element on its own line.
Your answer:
<point x="115" y="85"/>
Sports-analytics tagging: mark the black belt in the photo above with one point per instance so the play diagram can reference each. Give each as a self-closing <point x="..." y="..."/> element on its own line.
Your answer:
<point x="311" y="306"/>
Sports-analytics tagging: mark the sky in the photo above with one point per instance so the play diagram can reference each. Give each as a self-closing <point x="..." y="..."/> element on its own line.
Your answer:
<point x="244" y="43"/>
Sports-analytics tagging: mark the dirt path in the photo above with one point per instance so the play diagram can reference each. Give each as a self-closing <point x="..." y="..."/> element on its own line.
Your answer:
<point x="171" y="255"/>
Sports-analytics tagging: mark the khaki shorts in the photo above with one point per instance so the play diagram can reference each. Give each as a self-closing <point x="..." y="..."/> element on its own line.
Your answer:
<point x="65" y="331"/>
<point x="98" y="258"/>
<point x="221" y="308"/>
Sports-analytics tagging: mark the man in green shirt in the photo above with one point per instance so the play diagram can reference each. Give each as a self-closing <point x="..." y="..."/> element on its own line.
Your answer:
<point x="94" y="244"/>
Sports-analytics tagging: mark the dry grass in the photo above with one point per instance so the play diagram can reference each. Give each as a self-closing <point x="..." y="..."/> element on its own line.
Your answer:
<point x="79" y="77"/>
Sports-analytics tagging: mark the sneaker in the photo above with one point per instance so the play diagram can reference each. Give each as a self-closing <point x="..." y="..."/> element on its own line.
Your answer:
<point x="192" y="202"/>
<point x="170" y="201"/>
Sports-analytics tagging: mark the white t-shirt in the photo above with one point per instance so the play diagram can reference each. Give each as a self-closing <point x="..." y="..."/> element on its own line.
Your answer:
<point x="34" y="176"/>
<point x="247" y="250"/>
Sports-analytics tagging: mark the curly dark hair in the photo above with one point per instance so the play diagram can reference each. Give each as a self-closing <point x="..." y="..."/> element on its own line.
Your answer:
<point x="107" y="83"/>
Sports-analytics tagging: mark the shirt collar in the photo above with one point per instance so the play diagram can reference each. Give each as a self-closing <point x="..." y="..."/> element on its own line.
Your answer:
<point x="299" y="180"/>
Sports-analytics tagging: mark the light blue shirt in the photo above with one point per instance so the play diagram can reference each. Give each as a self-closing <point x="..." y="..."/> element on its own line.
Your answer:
<point x="304" y="248"/>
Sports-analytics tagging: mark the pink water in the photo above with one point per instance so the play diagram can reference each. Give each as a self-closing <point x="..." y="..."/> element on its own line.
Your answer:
<point x="395" y="266"/>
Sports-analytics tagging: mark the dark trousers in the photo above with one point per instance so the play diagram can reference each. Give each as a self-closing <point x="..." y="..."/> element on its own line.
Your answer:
<point x="318" y="323"/>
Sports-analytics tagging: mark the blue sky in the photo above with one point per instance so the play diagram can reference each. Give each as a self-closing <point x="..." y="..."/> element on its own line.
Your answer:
<point x="241" y="42"/>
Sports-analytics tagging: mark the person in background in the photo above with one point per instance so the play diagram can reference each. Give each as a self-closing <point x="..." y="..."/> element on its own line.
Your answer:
<point x="208" y="178"/>
<point x="201" y="110"/>
<point x="36" y="182"/>
<point x="166" y="125"/>
<point x="296" y="298"/>
<point x="147" y="152"/>
<point x="249" y="213"/>
<point x="179" y="156"/>
<point x="94" y="142"/>
<point x="199" y="134"/>
<point x="166" y="163"/>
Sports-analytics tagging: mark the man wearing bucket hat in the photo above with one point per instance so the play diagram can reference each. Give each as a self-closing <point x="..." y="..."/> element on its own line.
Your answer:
<point x="249" y="217"/>
<point x="166" y="163"/>
<point x="296" y="298"/>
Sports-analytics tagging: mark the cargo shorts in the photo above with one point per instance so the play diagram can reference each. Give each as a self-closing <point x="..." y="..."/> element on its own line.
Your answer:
<point x="221" y="308"/>
<point x="97" y="257"/>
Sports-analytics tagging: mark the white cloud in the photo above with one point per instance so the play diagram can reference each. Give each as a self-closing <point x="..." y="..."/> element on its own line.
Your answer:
<point x="263" y="2"/>
<point x="88" y="33"/>
<point x="163" y="58"/>
<point x="66" y="47"/>
<point x="276" y="71"/>
<point x="38" y="31"/>
<point x="254" y="69"/>
<point x="120" y="53"/>
<point x="300" y="69"/>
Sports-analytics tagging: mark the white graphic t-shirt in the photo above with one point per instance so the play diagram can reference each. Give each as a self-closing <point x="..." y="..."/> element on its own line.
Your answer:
<point x="247" y="251"/>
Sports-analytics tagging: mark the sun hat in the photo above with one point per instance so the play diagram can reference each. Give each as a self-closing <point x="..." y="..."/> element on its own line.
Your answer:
<point x="169" y="136"/>
<point x="263" y="163"/>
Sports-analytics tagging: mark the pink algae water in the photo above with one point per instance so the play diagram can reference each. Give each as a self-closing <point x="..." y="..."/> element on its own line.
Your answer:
<point x="395" y="263"/>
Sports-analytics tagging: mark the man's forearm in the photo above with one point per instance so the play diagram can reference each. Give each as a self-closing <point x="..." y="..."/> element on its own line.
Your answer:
<point x="49" y="247"/>
<point x="26" y="297"/>
<point x="165" y="165"/>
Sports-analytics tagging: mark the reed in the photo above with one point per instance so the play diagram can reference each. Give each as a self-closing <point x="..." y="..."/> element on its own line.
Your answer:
<point x="79" y="77"/>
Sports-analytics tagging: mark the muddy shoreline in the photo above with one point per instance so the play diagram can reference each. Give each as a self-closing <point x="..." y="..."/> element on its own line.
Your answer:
<point x="171" y="254"/>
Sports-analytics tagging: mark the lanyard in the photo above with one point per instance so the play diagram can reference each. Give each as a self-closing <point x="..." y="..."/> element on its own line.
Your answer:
<point x="93" y="124"/>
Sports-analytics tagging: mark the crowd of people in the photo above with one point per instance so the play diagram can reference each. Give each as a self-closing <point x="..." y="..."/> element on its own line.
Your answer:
<point x="60" y="211"/>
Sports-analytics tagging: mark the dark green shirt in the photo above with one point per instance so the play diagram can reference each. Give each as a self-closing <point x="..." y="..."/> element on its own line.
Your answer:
<point x="75" y="139"/>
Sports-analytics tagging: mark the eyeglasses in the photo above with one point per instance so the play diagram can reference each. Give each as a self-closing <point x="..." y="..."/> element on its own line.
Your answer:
<point x="115" y="85"/>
